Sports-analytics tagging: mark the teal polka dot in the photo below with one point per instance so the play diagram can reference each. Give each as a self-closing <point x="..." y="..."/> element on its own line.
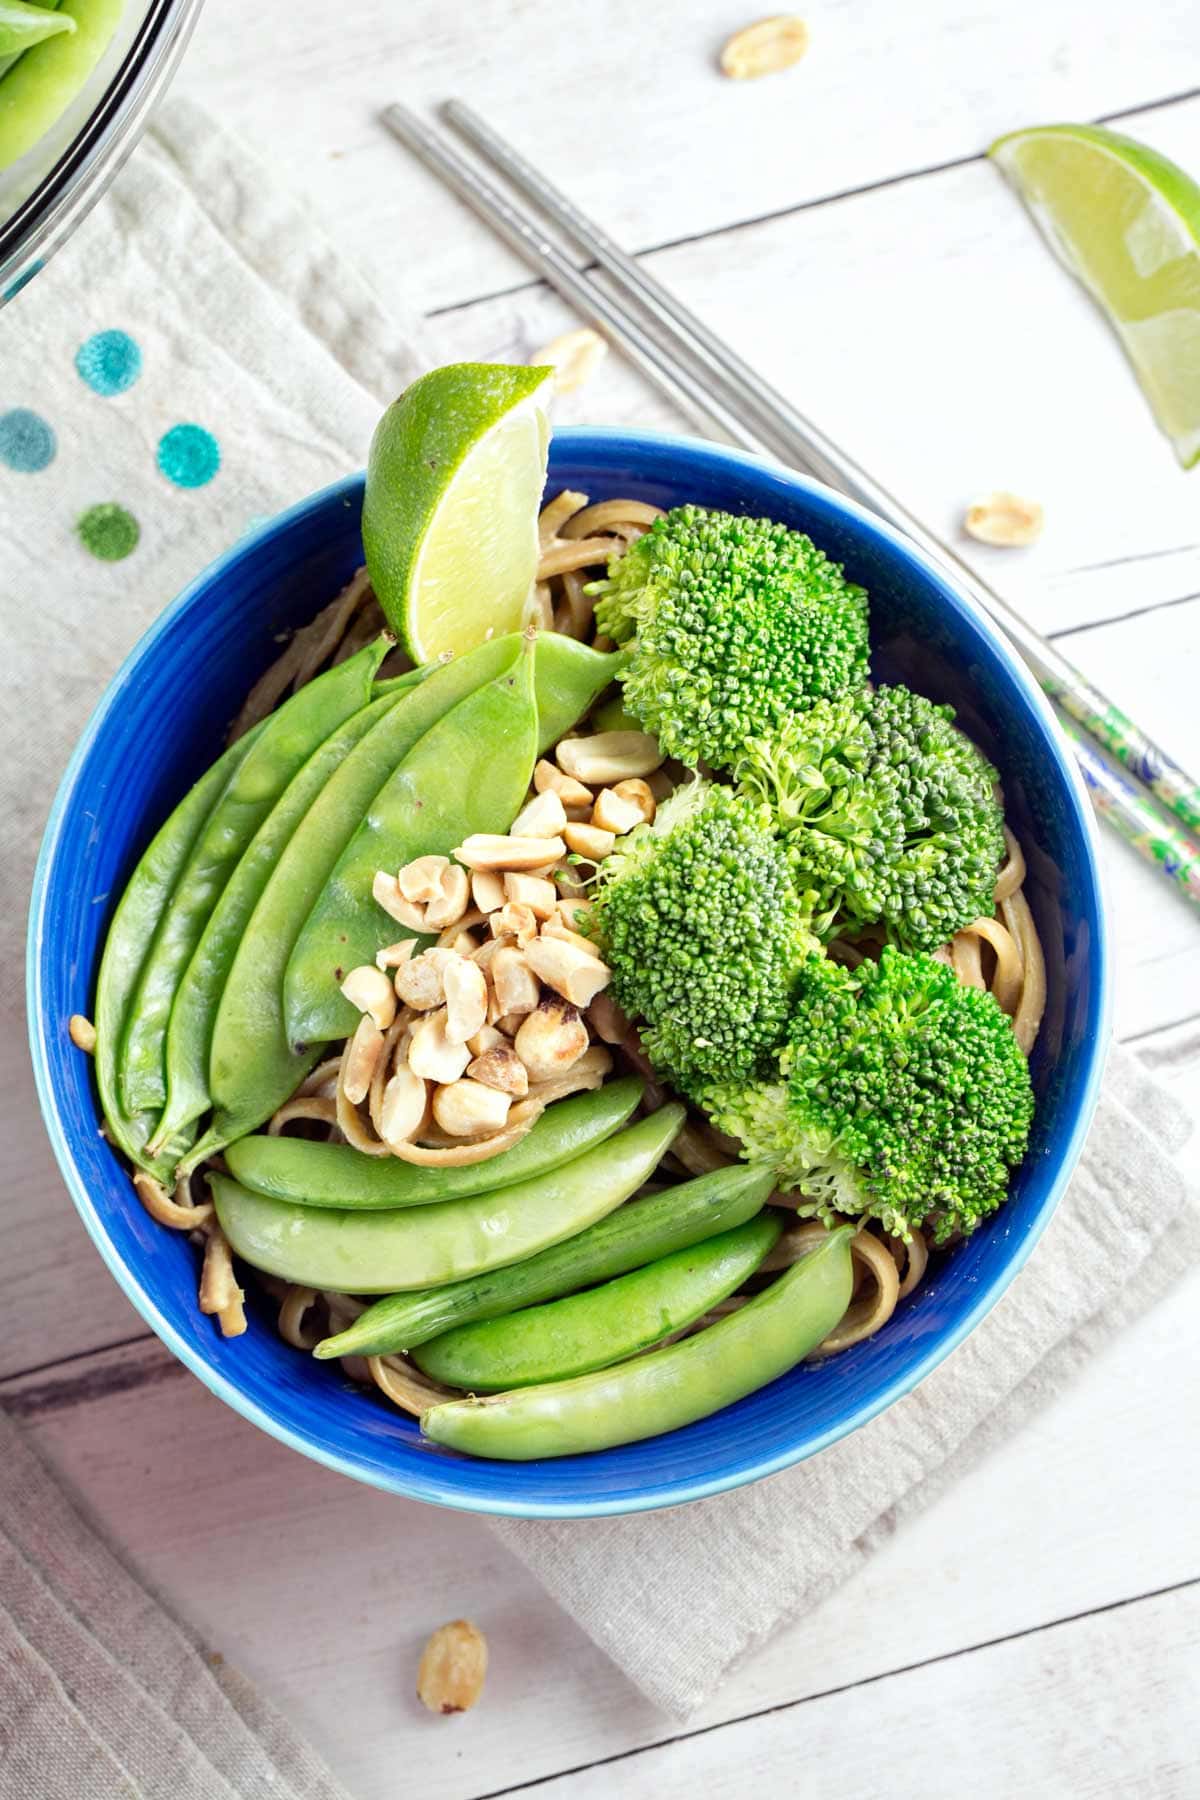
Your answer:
<point x="27" y="443"/>
<point x="189" y="456"/>
<point x="108" y="531"/>
<point x="110" y="362"/>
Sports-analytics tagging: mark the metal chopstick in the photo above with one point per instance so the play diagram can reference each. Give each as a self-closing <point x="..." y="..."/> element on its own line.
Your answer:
<point x="798" y="439"/>
<point x="720" y="401"/>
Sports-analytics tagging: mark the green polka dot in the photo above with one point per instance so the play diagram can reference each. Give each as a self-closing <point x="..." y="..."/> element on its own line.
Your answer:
<point x="108" y="531"/>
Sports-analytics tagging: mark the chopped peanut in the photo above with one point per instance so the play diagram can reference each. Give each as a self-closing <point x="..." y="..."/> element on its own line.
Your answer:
<point x="609" y="756"/>
<point x="501" y="1067"/>
<point x="573" y="912"/>
<point x="640" y="794"/>
<point x="469" y="1109"/>
<point x="589" y="842"/>
<point x="554" y="928"/>
<point x="485" y="1039"/>
<point x="421" y="880"/>
<point x="385" y="891"/>
<point x="369" y="989"/>
<point x="366" y="1047"/>
<point x="544" y="816"/>
<point x="607" y="1020"/>
<point x="466" y="999"/>
<point x="451" y="901"/>
<point x="486" y="953"/>
<point x="488" y="850"/>
<point x="1005" y="520"/>
<point x="612" y="813"/>
<point x="514" y="982"/>
<point x="405" y="1099"/>
<point x="82" y="1033"/>
<point x="508" y="1024"/>
<point x="394" y="956"/>
<point x="421" y="982"/>
<point x="515" y="921"/>
<point x="551" y="1039"/>
<point x="578" y="975"/>
<point x="533" y="891"/>
<point x="453" y="1665"/>
<point x="430" y="1052"/>
<point x="487" y="890"/>
<point x="548" y="779"/>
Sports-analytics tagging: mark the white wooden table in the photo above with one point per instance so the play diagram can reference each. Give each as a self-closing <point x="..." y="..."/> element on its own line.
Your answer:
<point x="1036" y="1632"/>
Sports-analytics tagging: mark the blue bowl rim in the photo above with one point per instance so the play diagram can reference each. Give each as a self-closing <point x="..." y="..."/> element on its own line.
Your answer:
<point x="683" y="1490"/>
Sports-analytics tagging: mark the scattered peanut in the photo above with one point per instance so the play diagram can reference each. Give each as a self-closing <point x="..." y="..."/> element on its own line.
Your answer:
<point x="514" y="982"/>
<point x="552" y="1038"/>
<point x="405" y="1099"/>
<point x="451" y="901"/>
<point x="366" y="1047"/>
<point x="485" y="1039"/>
<point x="640" y="794"/>
<point x="533" y="891"/>
<point x="514" y="921"/>
<point x="369" y="989"/>
<point x="544" y="817"/>
<point x="563" y="934"/>
<point x="573" y="357"/>
<point x="607" y="1020"/>
<point x="421" y="880"/>
<point x="578" y="975"/>
<point x="609" y="756"/>
<point x="82" y="1033"/>
<point x="421" y="982"/>
<point x="487" y="890"/>
<point x="430" y="1052"/>
<point x="470" y="1109"/>
<point x="500" y="1067"/>
<point x="488" y="850"/>
<point x="508" y="1024"/>
<point x="385" y="891"/>
<point x="487" y="951"/>
<point x="546" y="778"/>
<point x="764" y="47"/>
<point x="453" y="1666"/>
<point x="1005" y="520"/>
<point x="466" y="999"/>
<point x="590" y="842"/>
<point x="574" y="912"/>
<point x="614" y="813"/>
<point x="394" y="956"/>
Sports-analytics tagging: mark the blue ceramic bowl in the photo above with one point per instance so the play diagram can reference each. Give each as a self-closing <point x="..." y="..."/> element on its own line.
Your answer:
<point x="139" y="755"/>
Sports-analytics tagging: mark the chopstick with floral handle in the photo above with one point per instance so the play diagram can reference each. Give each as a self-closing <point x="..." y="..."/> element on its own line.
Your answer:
<point x="1129" y="810"/>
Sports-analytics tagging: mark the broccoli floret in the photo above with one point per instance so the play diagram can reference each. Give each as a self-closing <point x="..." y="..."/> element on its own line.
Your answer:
<point x="889" y="814"/>
<point x="703" y="932"/>
<point x="901" y="1094"/>
<point x="737" y="623"/>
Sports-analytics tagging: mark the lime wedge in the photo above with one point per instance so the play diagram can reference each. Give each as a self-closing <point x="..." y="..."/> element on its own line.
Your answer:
<point x="1126" y="221"/>
<point x="454" y="484"/>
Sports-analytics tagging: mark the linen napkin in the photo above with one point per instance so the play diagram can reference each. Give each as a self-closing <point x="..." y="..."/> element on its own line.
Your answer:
<point x="199" y="357"/>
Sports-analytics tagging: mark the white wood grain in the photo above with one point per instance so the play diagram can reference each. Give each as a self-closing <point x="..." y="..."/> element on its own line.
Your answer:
<point x="1100" y="1706"/>
<point x="625" y="103"/>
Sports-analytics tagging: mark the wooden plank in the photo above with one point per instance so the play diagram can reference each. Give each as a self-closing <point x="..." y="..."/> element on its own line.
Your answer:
<point x="323" y="1591"/>
<point x="928" y="330"/>
<point x="624" y="104"/>
<point x="1098" y="1706"/>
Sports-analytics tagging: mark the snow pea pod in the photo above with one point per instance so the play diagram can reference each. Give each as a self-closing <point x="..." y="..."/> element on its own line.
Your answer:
<point x="569" y="677"/>
<point x="253" y="1065"/>
<point x="42" y="83"/>
<point x="470" y="772"/>
<point x="24" y="24"/>
<point x="605" y="1325"/>
<point x="146" y="896"/>
<point x="190" y="1030"/>
<point x="372" y="1253"/>
<point x="315" y="1174"/>
<point x="288" y="739"/>
<point x="665" y="1389"/>
<point x="673" y="1220"/>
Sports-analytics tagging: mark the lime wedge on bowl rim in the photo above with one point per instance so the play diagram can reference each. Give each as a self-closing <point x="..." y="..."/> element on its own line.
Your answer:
<point x="1126" y="221"/>
<point x="450" y="515"/>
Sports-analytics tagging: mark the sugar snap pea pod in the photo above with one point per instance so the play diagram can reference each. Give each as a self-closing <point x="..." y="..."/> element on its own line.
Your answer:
<point x="665" y="1389"/>
<point x="314" y="1174"/>
<point x="42" y="84"/>
<point x="189" y="1032"/>
<point x="605" y="1325"/>
<point x="469" y="772"/>
<point x="372" y="1253"/>
<point x="141" y="906"/>
<point x="22" y="25"/>
<point x="253" y="1066"/>
<point x="288" y="739"/>
<point x="673" y="1220"/>
<point x="569" y="676"/>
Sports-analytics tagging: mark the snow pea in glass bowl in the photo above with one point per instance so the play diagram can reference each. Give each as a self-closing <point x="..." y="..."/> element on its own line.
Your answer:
<point x="45" y="194"/>
<point x="137" y="758"/>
